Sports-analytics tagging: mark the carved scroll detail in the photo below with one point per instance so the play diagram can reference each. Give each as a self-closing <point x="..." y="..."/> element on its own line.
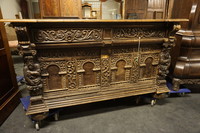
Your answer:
<point x="67" y="35"/>
<point x="105" y="72"/>
<point x="137" y="32"/>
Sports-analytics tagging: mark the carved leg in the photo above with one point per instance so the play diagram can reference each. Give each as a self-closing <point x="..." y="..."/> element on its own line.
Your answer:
<point x="176" y="84"/>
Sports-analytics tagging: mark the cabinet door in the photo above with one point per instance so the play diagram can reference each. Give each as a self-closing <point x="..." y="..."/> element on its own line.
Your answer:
<point x="137" y="7"/>
<point x="156" y="9"/>
<point x="71" y="8"/>
<point x="60" y="8"/>
<point x="9" y="94"/>
<point x="50" y="8"/>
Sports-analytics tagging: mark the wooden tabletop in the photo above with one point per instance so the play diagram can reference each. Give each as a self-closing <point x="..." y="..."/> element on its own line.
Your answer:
<point x="89" y="20"/>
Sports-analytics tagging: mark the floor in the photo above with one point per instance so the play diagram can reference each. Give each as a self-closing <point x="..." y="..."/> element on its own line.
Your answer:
<point x="171" y="115"/>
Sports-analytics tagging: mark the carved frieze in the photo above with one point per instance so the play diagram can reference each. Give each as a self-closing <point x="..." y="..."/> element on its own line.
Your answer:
<point x="120" y="33"/>
<point x="67" y="35"/>
<point x="45" y="54"/>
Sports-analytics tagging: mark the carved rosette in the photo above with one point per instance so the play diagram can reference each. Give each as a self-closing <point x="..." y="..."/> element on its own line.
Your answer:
<point x="105" y="72"/>
<point x="67" y="35"/>
<point x="32" y="72"/>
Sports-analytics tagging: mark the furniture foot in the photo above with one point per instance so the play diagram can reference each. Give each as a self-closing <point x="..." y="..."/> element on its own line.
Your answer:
<point x="37" y="125"/>
<point x="56" y="116"/>
<point x="153" y="102"/>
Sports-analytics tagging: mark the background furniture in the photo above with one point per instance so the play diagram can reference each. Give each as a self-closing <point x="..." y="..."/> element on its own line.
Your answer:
<point x="187" y="67"/>
<point x="146" y="9"/>
<point x="60" y="8"/>
<point x="9" y="93"/>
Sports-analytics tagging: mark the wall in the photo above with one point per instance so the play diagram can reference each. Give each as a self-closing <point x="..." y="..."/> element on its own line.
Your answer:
<point x="9" y="8"/>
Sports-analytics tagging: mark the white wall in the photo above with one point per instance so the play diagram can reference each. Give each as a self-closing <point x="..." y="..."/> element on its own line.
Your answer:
<point x="9" y="8"/>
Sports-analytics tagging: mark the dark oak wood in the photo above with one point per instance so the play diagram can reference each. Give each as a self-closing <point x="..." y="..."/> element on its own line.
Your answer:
<point x="9" y="93"/>
<point x="73" y="62"/>
<point x="186" y="70"/>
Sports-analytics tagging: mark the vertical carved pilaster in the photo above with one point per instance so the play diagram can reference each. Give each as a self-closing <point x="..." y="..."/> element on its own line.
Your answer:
<point x="165" y="58"/>
<point x="32" y="73"/>
<point x="135" y="70"/>
<point x="105" y="72"/>
<point x="71" y="74"/>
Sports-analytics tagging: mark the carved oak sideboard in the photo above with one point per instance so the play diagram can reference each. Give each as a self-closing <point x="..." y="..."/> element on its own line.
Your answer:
<point x="72" y="62"/>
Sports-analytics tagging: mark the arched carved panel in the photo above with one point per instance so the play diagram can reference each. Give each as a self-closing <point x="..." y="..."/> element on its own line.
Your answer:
<point x="148" y="71"/>
<point x="120" y="73"/>
<point x="89" y="76"/>
<point x="54" y="79"/>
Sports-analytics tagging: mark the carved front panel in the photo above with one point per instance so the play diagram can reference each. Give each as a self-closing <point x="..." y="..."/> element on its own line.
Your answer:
<point x="84" y="69"/>
<point x="70" y="69"/>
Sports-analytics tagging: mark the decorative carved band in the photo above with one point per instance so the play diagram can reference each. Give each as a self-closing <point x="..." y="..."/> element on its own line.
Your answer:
<point x="135" y="70"/>
<point x="105" y="72"/>
<point x="71" y="74"/>
<point x="67" y="35"/>
<point x="138" y="32"/>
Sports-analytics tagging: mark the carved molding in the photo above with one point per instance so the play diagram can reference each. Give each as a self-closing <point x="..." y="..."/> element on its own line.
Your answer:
<point x="138" y="32"/>
<point x="67" y="35"/>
